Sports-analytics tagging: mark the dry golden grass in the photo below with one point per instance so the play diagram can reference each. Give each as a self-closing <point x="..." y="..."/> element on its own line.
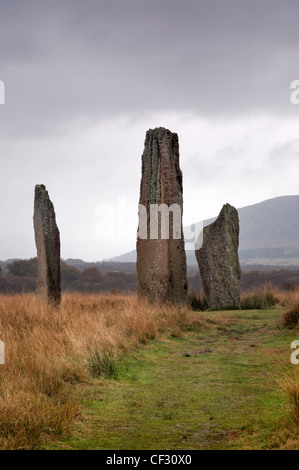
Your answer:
<point x="290" y="300"/>
<point x="286" y="376"/>
<point x="49" y="350"/>
<point x="260" y="297"/>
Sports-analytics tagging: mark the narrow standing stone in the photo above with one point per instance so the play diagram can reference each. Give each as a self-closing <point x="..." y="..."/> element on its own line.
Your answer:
<point x="47" y="242"/>
<point x="218" y="259"/>
<point x="161" y="262"/>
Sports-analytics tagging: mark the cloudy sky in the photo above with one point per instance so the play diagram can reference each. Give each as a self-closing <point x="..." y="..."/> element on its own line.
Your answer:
<point x="85" y="79"/>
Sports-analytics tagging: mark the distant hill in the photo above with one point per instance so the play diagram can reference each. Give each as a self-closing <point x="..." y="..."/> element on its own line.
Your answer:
<point x="129" y="257"/>
<point x="269" y="237"/>
<point x="103" y="266"/>
<point x="269" y="243"/>
<point x="8" y="261"/>
<point x="269" y="233"/>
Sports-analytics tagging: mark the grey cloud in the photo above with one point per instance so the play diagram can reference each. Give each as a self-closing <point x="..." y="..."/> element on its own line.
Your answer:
<point x="70" y="66"/>
<point x="62" y="60"/>
<point x="284" y="154"/>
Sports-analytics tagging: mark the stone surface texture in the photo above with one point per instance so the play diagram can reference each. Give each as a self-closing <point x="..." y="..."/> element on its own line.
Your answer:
<point x="161" y="263"/>
<point x="218" y="259"/>
<point x="47" y="239"/>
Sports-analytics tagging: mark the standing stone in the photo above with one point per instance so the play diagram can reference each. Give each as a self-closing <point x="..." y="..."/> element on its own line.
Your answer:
<point x="47" y="242"/>
<point x="161" y="261"/>
<point x="218" y="259"/>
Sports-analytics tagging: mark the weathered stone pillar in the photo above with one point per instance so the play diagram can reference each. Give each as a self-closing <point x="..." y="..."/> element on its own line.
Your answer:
<point x="47" y="241"/>
<point x="218" y="259"/>
<point x="161" y="257"/>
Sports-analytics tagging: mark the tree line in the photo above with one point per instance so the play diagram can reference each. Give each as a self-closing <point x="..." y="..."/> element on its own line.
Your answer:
<point x="20" y="276"/>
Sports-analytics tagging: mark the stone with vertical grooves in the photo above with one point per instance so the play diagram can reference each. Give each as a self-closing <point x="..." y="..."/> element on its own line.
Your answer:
<point x="161" y="263"/>
<point x="218" y="259"/>
<point x="47" y="239"/>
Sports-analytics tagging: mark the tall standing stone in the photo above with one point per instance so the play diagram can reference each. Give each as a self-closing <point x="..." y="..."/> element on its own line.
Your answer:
<point x="218" y="259"/>
<point x="47" y="241"/>
<point x="161" y="262"/>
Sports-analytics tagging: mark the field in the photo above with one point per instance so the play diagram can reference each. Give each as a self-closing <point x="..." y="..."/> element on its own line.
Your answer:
<point x="108" y="372"/>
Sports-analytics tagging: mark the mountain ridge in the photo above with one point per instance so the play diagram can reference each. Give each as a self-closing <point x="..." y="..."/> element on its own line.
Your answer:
<point x="268" y="230"/>
<point x="269" y="235"/>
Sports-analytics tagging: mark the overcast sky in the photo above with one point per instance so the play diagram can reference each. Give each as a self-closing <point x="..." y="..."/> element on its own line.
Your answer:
<point x="85" y="79"/>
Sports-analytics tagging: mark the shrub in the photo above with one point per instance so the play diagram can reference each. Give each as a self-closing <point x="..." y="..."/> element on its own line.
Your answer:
<point x="259" y="298"/>
<point x="197" y="302"/>
<point x="102" y="365"/>
<point x="291" y="317"/>
<point x="224" y="308"/>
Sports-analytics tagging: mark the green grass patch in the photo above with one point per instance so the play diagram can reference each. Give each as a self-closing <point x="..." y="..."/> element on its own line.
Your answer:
<point x="103" y="365"/>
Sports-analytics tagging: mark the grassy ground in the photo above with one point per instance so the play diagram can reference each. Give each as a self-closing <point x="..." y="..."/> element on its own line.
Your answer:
<point x="212" y="386"/>
<point x="52" y="352"/>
